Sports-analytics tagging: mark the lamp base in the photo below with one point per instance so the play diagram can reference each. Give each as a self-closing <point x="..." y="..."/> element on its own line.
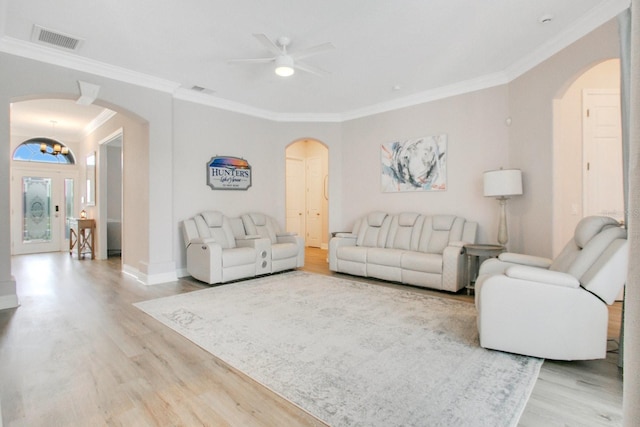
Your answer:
<point x="503" y="235"/>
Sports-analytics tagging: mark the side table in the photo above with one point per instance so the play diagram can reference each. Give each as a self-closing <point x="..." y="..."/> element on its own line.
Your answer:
<point x="82" y="236"/>
<point x="474" y="253"/>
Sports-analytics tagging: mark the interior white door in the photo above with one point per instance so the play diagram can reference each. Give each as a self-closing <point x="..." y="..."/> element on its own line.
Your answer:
<point x="315" y="188"/>
<point x="602" y="148"/>
<point x="295" y="197"/>
<point x="41" y="202"/>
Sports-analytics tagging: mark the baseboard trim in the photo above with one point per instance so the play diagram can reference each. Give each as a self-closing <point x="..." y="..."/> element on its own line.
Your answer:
<point x="9" y="301"/>
<point x="149" y="279"/>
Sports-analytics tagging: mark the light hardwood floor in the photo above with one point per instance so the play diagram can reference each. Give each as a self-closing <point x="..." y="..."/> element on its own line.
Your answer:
<point x="77" y="353"/>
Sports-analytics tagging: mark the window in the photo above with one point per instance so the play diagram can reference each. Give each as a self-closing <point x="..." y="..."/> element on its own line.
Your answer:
<point x="31" y="150"/>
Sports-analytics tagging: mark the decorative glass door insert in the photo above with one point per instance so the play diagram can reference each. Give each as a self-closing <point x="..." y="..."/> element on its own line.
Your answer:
<point x="41" y="203"/>
<point x="36" y="196"/>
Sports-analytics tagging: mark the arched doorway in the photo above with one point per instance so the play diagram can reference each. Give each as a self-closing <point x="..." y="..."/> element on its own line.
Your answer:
<point x="573" y="118"/>
<point x="307" y="191"/>
<point x="97" y="140"/>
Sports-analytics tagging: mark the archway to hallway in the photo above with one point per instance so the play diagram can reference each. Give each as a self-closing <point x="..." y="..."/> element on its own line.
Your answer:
<point x="134" y="152"/>
<point x="307" y="191"/>
<point x="571" y="162"/>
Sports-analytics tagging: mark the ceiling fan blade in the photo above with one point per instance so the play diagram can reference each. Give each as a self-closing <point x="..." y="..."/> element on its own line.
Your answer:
<point x="311" y="69"/>
<point x="251" y="60"/>
<point x="268" y="44"/>
<point x="314" y="50"/>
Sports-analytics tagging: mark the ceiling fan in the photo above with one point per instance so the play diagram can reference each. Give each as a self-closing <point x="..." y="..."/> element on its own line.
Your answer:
<point x="286" y="62"/>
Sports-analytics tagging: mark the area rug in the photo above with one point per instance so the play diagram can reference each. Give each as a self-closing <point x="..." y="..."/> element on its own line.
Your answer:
<point x="356" y="354"/>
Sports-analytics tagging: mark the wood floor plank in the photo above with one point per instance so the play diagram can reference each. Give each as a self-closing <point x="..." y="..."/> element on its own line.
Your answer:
<point x="77" y="353"/>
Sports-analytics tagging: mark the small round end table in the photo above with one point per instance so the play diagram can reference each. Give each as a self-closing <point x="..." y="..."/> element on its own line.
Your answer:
<point x="474" y="252"/>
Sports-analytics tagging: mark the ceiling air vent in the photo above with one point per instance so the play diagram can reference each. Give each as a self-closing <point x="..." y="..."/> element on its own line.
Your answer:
<point x="54" y="38"/>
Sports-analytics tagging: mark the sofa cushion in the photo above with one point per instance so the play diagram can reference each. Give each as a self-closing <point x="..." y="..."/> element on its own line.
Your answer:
<point x="375" y="219"/>
<point x="443" y="222"/>
<point x="283" y="251"/>
<point x="202" y="227"/>
<point x="419" y="261"/>
<point x="353" y="253"/>
<point x="213" y="218"/>
<point x="259" y="224"/>
<point x="374" y="231"/>
<point x="407" y="219"/>
<point x="588" y="227"/>
<point x="258" y="219"/>
<point x="385" y="256"/>
<point x="238" y="256"/>
<point x="214" y="225"/>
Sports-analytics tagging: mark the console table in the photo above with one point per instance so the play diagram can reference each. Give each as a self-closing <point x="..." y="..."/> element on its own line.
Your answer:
<point x="474" y="253"/>
<point x="82" y="232"/>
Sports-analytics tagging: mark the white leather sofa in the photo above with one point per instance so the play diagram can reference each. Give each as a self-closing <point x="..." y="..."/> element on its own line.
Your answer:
<point x="410" y="248"/>
<point x="219" y="248"/>
<point x="554" y="309"/>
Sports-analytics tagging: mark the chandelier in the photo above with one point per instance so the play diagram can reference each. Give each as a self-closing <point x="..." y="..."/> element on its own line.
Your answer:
<point x="56" y="148"/>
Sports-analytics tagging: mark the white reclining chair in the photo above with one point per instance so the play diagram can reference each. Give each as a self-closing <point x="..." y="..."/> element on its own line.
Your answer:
<point x="287" y="249"/>
<point x="213" y="254"/>
<point x="554" y="309"/>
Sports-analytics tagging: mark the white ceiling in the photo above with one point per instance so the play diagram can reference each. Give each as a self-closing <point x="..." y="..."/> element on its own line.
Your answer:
<point x="388" y="53"/>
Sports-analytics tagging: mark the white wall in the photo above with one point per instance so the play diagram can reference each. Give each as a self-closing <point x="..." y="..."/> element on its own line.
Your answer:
<point x="477" y="141"/>
<point x="202" y="132"/>
<point x="531" y="99"/>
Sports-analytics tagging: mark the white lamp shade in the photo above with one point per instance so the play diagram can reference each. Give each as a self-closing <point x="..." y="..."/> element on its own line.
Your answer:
<point x="503" y="183"/>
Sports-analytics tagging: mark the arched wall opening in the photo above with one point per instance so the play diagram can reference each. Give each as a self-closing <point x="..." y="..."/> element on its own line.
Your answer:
<point x="307" y="191"/>
<point x="569" y="161"/>
<point x="134" y="149"/>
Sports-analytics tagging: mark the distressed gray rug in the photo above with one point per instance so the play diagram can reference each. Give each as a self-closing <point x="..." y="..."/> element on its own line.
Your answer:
<point x="355" y="354"/>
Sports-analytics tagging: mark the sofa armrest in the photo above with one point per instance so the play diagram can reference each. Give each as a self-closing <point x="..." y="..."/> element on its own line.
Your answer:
<point x="335" y="243"/>
<point x="346" y="235"/>
<point x="286" y="233"/>
<point x="204" y="260"/>
<point x="199" y="240"/>
<point x="248" y="237"/>
<point x="453" y="267"/>
<point x="541" y="275"/>
<point x="522" y="259"/>
<point x="253" y="242"/>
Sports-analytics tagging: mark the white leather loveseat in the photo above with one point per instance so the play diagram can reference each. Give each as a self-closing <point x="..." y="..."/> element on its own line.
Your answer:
<point x="220" y="249"/>
<point x="410" y="248"/>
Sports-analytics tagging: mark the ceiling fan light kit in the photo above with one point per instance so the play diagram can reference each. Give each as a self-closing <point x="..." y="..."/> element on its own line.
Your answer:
<point x="287" y="63"/>
<point x="284" y="66"/>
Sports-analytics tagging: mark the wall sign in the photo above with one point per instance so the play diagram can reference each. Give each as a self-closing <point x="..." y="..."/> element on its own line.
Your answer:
<point x="228" y="173"/>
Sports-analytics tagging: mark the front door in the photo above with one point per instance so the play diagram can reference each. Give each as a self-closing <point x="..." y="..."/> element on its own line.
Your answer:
<point x="42" y="202"/>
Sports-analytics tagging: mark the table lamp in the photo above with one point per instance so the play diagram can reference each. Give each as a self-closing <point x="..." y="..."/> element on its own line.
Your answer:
<point x="502" y="184"/>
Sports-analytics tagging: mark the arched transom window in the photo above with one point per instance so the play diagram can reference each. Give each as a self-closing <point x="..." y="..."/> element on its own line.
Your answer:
<point x="44" y="150"/>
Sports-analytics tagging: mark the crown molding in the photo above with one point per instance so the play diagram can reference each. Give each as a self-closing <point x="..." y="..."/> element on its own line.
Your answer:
<point x="189" y="95"/>
<point x="101" y="119"/>
<point x="468" y="86"/>
<point x="63" y="59"/>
